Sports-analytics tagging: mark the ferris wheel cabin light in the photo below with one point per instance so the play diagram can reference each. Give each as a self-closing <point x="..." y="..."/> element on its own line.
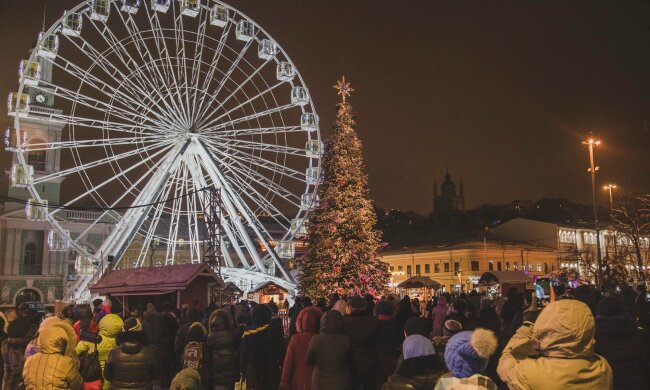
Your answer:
<point x="171" y="106"/>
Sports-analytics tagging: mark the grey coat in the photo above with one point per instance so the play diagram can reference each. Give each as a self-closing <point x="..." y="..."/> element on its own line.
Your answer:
<point x="329" y="354"/>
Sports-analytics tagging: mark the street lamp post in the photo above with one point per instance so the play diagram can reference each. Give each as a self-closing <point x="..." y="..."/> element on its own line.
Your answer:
<point x="610" y="187"/>
<point x="591" y="143"/>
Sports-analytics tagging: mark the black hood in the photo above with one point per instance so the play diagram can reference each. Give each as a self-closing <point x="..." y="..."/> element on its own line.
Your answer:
<point x="331" y="322"/>
<point x="132" y="342"/>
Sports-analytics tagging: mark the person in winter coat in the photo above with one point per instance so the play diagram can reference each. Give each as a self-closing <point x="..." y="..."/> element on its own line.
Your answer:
<point x="52" y="367"/>
<point x="13" y="349"/>
<point x="341" y="306"/>
<point x="223" y="345"/>
<point x="562" y="338"/>
<point x="195" y="354"/>
<point x="261" y="352"/>
<point x="186" y="379"/>
<point x="191" y="316"/>
<point x="420" y="367"/>
<point x="133" y="364"/>
<point x="438" y="314"/>
<point x="461" y="311"/>
<point x="296" y="374"/>
<point x="404" y="310"/>
<point x="329" y="354"/>
<point x="466" y="356"/>
<point x="109" y="326"/>
<point x="390" y="336"/>
<point x="618" y="340"/>
<point x="362" y="329"/>
<point x="3" y="337"/>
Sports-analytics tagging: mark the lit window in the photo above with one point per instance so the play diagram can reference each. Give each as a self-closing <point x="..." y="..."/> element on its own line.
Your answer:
<point x="490" y="265"/>
<point x="515" y="266"/>
<point x="539" y="267"/>
<point x="446" y="267"/>
<point x="436" y="268"/>
<point x="400" y="268"/>
<point x="507" y="266"/>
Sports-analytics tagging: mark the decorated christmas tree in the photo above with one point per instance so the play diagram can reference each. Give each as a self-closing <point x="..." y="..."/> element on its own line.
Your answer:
<point x="343" y="241"/>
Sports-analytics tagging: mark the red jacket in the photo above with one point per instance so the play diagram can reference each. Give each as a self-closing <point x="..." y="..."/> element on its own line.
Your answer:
<point x="296" y="374"/>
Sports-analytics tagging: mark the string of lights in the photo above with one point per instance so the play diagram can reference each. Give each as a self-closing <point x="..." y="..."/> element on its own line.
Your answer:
<point x="80" y="208"/>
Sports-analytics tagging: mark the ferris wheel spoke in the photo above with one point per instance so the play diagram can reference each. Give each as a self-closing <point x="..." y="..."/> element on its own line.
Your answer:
<point x="154" y="166"/>
<point x="100" y="106"/>
<point x="196" y="65"/>
<point x="93" y="164"/>
<point x="232" y="94"/>
<point x="92" y="143"/>
<point x="214" y="65"/>
<point x="103" y="125"/>
<point x="239" y="180"/>
<point x="258" y="146"/>
<point x="160" y="38"/>
<point x="227" y="134"/>
<point x="107" y="89"/>
<point x="150" y="171"/>
<point x="256" y="197"/>
<point x="181" y="53"/>
<point x="144" y="50"/>
<point x="251" y="117"/>
<point x="117" y="75"/>
<point x="226" y="76"/>
<point x="117" y="48"/>
<point x="228" y="160"/>
<point x="258" y="161"/>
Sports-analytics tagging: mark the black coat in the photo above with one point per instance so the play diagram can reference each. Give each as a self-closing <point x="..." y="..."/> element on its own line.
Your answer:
<point x="261" y="358"/>
<point x="133" y="364"/>
<point x="223" y="345"/>
<point x="620" y="343"/>
<point x="13" y="350"/>
<point x="362" y="330"/>
<point x="419" y="373"/>
<point x="389" y="345"/>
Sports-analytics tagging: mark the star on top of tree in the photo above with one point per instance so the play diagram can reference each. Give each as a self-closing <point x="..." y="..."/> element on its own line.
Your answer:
<point x="343" y="88"/>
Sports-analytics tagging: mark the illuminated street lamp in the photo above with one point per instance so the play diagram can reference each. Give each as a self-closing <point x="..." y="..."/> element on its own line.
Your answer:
<point x="591" y="143"/>
<point x="610" y="187"/>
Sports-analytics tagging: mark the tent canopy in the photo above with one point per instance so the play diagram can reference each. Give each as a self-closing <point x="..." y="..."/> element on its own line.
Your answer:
<point x="419" y="282"/>
<point x="494" y="277"/>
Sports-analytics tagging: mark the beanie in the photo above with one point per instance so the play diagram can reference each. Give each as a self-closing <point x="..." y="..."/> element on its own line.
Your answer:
<point x="416" y="346"/>
<point x="357" y="303"/>
<point x="132" y="324"/>
<point x="467" y="353"/>
<point x="415" y="325"/>
<point x="451" y="327"/>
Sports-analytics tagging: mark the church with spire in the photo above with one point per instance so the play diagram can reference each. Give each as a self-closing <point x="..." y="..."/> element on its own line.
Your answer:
<point x="448" y="200"/>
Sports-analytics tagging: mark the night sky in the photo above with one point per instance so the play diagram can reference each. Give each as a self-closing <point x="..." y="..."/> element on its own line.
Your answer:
<point x="502" y="94"/>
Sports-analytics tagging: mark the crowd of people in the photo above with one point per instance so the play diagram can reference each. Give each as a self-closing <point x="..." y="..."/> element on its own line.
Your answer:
<point x="586" y="340"/>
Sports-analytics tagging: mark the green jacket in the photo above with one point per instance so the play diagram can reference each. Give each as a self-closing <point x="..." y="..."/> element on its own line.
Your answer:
<point x="557" y="352"/>
<point x="186" y="379"/>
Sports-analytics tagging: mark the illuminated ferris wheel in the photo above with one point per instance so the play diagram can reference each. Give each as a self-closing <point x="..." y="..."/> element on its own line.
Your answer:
<point x="159" y="100"/>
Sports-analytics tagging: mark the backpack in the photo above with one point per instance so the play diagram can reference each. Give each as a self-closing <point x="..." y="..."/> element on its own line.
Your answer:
<point x="193" y="355"/>
<point x="89" y="367"/>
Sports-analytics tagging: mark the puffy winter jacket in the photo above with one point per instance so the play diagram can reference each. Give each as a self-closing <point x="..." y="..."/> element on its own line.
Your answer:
<point x="133" y="364"/>
<point x="50" y="368"/>
<point x="13" y="350"/>
<point x="563" y="339"/>
<point x="362" y="330"/>
<point x="109" y="326"/>
<point x="296" y="374"/>
<point x="186" y="379"/>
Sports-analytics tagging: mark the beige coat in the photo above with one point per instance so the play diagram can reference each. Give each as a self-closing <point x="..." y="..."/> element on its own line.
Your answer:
<point x="563" y="339"/>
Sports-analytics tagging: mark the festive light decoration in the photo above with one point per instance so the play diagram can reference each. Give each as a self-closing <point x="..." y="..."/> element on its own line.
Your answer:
<point x="343" y="241"/>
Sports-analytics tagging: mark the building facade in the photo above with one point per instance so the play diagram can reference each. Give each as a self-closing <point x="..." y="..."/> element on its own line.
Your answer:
<point x="576" y="246"/>
<point x="458" y="267"/>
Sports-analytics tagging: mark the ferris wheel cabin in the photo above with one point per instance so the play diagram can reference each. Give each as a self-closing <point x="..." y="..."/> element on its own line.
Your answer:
<point x="160" y="5"/>
<point x="130" y="6"/>
<point x="100" y="9"/>
<point x="72" y="24"/>
<point x="47" y="46"/>
<point x="219" y="15"/>
<point x="190" y="8"/>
